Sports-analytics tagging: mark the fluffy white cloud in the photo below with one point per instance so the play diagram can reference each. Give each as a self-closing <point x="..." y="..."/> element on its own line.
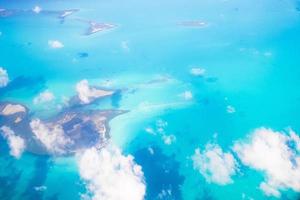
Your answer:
<point x="15" y="142"/>
<point x="86" y="93"/>
<point x="110" y="175"/>
<point x="37" y="9"/>
<point x="215" y="165"/>
<point x="276" y="154"/>
<point x="43" y="97"/>
<point x="55" y="44"/>
<point x="51" y="136"/>
<point x="3" y="77"/>
<point x="197" y="71"/>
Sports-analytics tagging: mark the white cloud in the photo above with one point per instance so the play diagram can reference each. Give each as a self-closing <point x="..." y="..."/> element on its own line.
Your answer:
<point x="41" y="188"/>
<point x="161" y="123"/>
<point x="197" y="71"/>
<point x="44" y="97"/>
<point x="55" y="44"/>
<point x="110" y="175"/>
<point x="159" y="130"/>
<point x="37" y="9"/>
<point x="230" y="109"/>
<point x="187" y="95"/>
<point x="215" y="165"/>
<point x="3" y="77"/>
<point x="51" y="136"/>
<point x="168" y="139"/>
<point x="15" y="142"/>
<point x="150" y="131"/>
<point x="151" y="150"/>
<point x="125" y="46"/>
<point x="274" y="153"/>
<point x="87" y="93"/>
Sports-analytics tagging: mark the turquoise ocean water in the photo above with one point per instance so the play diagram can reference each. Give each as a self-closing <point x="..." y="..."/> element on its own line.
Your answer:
<point x="249" y="49"/>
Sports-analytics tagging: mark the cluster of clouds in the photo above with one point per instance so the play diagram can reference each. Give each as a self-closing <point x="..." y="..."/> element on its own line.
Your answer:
<point x="105" y="170"/>
<point x="16" y="143"/>
<point x="110" y="175"/>
<point x="165" y="194"/>
<point x="43" y="97"/>
<point x="51" y="136"/>
<point x="87" y="94"/>
<point x="4" y="79"/>
<point x="160" y="130"/>
<point x="275" y="154"/>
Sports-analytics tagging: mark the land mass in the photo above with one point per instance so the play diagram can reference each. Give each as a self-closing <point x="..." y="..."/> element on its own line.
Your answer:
<point x="82" y="128"/>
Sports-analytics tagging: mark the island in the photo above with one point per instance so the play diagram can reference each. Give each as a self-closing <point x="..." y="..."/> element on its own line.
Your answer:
<point x="63" y="134"/>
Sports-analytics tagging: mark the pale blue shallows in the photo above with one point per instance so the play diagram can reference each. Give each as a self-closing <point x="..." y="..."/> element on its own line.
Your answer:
<point x="249" y="49"/>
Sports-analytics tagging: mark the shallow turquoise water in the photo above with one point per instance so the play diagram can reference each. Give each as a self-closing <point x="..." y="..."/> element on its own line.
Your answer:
<point x="250" y="51"/>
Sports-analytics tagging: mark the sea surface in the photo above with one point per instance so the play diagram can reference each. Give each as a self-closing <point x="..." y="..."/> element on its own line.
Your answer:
<point x="250" y="51"/>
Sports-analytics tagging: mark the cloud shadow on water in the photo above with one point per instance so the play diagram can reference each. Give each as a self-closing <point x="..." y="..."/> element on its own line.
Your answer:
<point x="42" y="165"/>
<point x="161" y="174"/>
<point x="8" y="183"/>
<point x="32" y="84"/>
